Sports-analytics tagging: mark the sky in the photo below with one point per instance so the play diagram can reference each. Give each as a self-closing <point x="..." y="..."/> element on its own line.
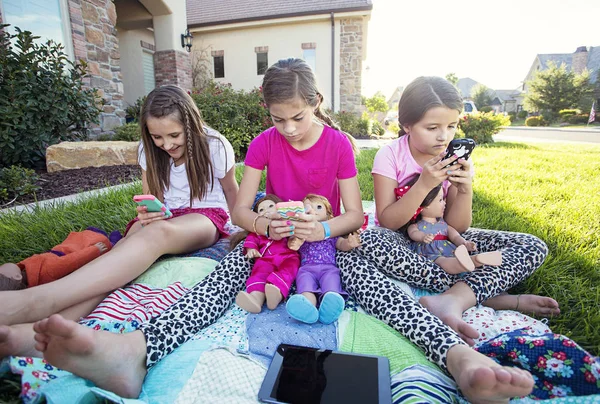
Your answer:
<point x="493" y="43"/>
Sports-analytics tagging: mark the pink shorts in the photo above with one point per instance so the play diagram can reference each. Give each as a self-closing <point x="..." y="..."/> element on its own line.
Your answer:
<point x="216" y="215"/>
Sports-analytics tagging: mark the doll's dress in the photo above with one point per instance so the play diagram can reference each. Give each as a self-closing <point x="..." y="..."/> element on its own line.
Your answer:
<point x="437" y="248"/>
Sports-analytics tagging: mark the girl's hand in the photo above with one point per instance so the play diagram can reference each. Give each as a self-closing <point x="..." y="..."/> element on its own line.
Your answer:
<point x="280" y="228"/>
<point x="145" y="217"/>
<point x="354" y="240"/>
<point x="434" y="172"/>
<point x="470" y="245"/>
<point x="428" y="238"/>
<point x="460" y="176"/>
<point x="253" y="253"/>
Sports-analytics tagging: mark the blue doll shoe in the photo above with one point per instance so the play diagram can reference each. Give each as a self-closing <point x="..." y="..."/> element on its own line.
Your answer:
<point x="300" y="308"/>
<point x="332" y="306"/>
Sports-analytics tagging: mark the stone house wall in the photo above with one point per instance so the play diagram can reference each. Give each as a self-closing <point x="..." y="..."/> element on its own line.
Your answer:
<point x="351" y="51"/>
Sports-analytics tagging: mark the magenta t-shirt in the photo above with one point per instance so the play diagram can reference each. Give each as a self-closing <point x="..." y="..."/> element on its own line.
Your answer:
<point x="292" y="174"/>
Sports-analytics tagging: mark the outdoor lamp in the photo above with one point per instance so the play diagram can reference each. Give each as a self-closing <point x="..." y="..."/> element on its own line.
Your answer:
<point x="186" y="40"/>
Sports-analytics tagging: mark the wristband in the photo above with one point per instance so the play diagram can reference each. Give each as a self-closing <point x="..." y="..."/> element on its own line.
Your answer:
<point x="267" y="230"/>
<point x="326" y="229"/>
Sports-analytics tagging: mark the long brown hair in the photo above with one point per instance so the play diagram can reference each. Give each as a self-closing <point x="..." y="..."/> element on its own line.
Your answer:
<point x="323" y="200"/>
<point x="236" y="238"/>
<point x="173" y="102"/>
<point x="424" y="93"/>
<point x="291" y="78"/>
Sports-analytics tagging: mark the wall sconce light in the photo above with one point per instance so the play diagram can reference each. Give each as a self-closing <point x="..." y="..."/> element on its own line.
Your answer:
<point x="186" y="40"/>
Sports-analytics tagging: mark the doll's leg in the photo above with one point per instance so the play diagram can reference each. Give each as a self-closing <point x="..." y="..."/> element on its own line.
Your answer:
<point x="302" y="305"/>
<point x="111" y="270"/>
<point x="253" y="297"/>
<point x="281" y="280"/>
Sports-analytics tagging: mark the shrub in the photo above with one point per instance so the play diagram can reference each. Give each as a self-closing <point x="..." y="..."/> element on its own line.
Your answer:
<point x="347" y="121"/>
<point x="364" y="127"/>
<point x="486" y="108"/>
<point x="238" y="115"/>
<point x="129" y="132"/>
<point x="16" y="181"/>
<point x="481" y="126"/>
<point x="577" y="119"/>
<point x="377" y="128"/>
<point x="133" y="111"/>
<point x="394" y="128"/>
<point x="565" y="113"/>
<point x="535" y="121"/>
<point x="42" y="100"/>
<point x="512" y="115"/>
<point x="522" y="114"/>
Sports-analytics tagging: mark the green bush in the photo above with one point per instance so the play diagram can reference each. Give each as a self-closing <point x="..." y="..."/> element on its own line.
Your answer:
<point x="130" y="132"/>
<point x="394" y="128"/>
<point x="16" y="181"/>
<point x="481" y="126"/>
<point x="512" y="115"/>
<point x="486" y="108"/>
<point x="522" y="114"/>
<point x="566" y="113"/>
<point x="364" y="127"/>
<point x="535" y="121"/>
<point x="577" y="119"/>
<point x="133" y="111"/>
<point x="238" y="115"/>
<point x="42" y="100"/>
<point x="377" y="128"/>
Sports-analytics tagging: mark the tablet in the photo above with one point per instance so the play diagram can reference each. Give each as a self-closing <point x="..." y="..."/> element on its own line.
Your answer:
<point x="300" y="375"/>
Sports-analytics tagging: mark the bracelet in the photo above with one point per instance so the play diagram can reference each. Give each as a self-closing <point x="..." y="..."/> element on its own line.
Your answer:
<point x="518" y="298"/>
<point x="254" y="224"/>
<point x="267" y="230"/>
<point x="326" y="230"/>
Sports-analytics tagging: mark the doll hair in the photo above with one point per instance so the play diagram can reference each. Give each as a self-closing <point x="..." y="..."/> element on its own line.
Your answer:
<point x="173" y="102"/>
<point x="291" y="78"/>
<point x="426" y="202"/>
<point x="323" y="200"/>
<point x="424" y="93"/>
<point x="237" y="238"/>
<point x="8" y="283"/>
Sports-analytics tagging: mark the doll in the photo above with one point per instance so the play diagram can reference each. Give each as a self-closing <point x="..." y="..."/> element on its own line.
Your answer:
<point x="275" y="265"/>
<point x="433" y="238"/>
<point x="318" y="277"/>
<point x="78" y="249"/>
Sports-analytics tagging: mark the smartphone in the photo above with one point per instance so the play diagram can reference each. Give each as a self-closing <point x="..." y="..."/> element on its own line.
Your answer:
<point x="290" y="210"/>
<point x="461" y="147"/>
<point x="153" y="204"/>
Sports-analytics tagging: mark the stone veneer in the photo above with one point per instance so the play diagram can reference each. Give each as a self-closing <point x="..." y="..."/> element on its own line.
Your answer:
<point x="351" y="51"/>
<point x="95" y="41"/>
<point x="173" y="67"/>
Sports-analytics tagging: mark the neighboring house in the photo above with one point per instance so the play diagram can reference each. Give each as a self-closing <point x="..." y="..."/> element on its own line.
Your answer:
<point x="582" y="58"/>
<point x="465" y="86"/>
<point x="395" y="98"/>
<point x="130" y="46"/>
<point x="238" y="40"/>
<point x="507" y="100"/>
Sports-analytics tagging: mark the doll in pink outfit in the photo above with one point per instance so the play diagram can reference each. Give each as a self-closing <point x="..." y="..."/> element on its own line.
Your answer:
<point x="275" y="265"/>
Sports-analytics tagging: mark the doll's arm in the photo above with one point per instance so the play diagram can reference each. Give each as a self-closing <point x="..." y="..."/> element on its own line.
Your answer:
<point x="419" y="236"/>
<point x="347" y="244"/>
<point x="294" y="243"/>
<point x="455" y="237"/>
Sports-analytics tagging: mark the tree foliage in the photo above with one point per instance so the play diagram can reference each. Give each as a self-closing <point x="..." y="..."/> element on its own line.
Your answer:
<point x="481" y="95"/>
<point x="452" y="78"/>
<point x="376" y="103"/>
<point x="558" y="88"/>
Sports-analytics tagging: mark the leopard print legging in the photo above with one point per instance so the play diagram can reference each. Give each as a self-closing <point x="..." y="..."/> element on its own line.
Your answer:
<point x="385" y="253"/>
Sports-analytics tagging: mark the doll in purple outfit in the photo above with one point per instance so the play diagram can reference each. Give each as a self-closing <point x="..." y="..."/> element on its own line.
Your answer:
<point x="275" y="264"/>
<point x="433" y="238"/>
<point x="319" y="276"/>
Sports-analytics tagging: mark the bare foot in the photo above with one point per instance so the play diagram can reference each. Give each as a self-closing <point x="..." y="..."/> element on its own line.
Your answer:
<point x="17" y="340"/>
<point x="529" y="304"/>
<point x="481" y="380"/>
<point x="274" y="296"/>
<point x="448" y="309"/>
<point x="247" y="302"/>
<point x="93" y="354"/>
<point x="493" y="258"/>
<point x="462" y="255"/>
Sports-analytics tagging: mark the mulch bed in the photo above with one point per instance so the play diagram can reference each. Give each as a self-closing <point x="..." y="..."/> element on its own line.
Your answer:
<point x="63" y="183"/>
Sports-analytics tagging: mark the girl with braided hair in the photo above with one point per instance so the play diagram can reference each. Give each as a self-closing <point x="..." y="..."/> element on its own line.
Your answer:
<point x="185" y="164"/>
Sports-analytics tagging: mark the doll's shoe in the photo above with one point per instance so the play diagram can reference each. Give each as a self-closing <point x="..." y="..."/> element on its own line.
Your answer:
<point x="247" y="302"/>
<point x="273" y="295"/>
<point x="463" y="257"/>
<point x="493" y="258"/>
<point x="300" y="308"/>
<point x="331" y="308"/>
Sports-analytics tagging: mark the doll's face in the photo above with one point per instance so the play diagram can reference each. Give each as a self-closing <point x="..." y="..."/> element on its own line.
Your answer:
<point x="266" y="207"/>
<point x="436" y="207"/>
<point x="316" y="208"/>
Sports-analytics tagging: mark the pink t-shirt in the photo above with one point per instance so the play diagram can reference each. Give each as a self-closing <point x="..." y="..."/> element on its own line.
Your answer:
<point x="292" y="174"/>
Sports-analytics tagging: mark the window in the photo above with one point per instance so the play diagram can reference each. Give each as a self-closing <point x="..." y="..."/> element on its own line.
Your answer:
<point x="310" y="57"/>
<point x="219" y="64"/>
<point x="48" y="19"/>
<point x="262" y="62"/>
<point x="148" y="68"/>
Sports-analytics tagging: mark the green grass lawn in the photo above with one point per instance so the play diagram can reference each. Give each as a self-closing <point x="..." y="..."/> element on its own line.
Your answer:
<point x="549" y="190"/>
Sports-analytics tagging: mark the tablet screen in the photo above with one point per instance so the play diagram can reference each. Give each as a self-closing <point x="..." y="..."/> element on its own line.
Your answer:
<point x="309" y="375"/>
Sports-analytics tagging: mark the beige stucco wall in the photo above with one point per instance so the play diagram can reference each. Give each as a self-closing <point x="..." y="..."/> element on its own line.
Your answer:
<point x="131" y="62"/>
<point x="168" y="27"/>
<point x="283" y="41"/>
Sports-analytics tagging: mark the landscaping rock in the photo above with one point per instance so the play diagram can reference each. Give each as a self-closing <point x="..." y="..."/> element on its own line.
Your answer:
<point x="72" y="155"/>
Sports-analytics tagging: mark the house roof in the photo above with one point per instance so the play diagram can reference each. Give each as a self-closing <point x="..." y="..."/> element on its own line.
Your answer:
<point x="506" y="95"/>
<point x="593" y="63"/>
<point x="215" y="12"/>
<point x="465" y="85"/>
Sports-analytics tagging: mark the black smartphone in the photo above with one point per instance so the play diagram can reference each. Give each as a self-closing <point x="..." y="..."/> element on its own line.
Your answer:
<point x="461" y="147"/>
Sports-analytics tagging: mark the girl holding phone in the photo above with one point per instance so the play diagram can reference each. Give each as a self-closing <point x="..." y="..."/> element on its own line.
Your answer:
<point x="186" y="165"/>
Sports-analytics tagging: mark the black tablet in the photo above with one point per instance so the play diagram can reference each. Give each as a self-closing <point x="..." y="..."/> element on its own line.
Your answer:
<point x="300" y="375"/>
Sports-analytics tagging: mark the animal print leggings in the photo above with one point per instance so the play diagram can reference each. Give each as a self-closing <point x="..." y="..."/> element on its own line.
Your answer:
<point x="365" y="270"/>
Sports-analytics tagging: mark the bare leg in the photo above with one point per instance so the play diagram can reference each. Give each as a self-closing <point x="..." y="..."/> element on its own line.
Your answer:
<point x="274" y="296"/>
<point x="449" y="307"/>
<point x="17" y="340"/>
<point x="482" y="380"/>
<point x="93" y="354"/>
<point x="109" y="271"/>
<point x="529" y="304"/>
<point x="251" y="302"/>
<point x="311" y="297"/>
